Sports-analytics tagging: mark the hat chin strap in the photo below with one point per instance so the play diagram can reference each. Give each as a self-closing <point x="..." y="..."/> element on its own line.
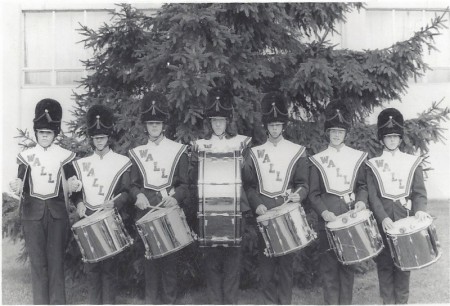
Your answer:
<point x="153" y="139"/>
<point x="391" y="150"/>
<point x="221" y="135"/>
<point x="275" y="138"/>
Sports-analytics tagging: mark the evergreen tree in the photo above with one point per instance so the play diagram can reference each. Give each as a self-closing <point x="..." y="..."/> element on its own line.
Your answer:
<point x="186" y="49"/>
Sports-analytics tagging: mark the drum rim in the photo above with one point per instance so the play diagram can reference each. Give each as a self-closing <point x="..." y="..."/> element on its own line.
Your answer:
<point x="173" y="250"/>
<point x="411" y="232"/>
<point x="267" y="217"/>
<point x="298" y="248"/>
<point x="363" y="259"/>
<point x="143" y="219"/>
<point x="128" y="244"/>
<point x="87" y="222"/>
<point x="349" y="225"/>
<point x="419" y="267"/>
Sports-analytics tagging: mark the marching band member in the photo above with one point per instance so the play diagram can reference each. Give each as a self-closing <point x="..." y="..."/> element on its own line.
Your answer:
<point x="337" y="182"/>
<point x="396" y="189"/>
<point x="270" y="172"/>
<point x="101" y="176"/>
<point x="159" y="174"/>
<point x="222" y="264"/>
<point x="43" y="210"/>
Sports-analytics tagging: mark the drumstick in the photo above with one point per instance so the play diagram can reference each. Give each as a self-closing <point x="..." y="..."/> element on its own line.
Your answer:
<point x="156" y="207"/>
<point x="288" y="200"/>
<point x="116" y="197"/>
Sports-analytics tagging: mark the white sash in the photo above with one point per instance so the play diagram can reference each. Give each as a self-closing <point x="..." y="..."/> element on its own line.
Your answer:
<point x="157" y="163"/>
<point x="100" y="176"/>
<point x="46" y="166"/>
<point x="274" y="164"/>
<point x="394" y="173"/>
<point x="215" y="144"/>
<point x="339" y="168"/>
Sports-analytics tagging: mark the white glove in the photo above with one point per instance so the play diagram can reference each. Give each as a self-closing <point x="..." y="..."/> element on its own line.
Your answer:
<point x="261" y="209"/>
<point x="328" y="216"/>
<point x="360" y="206"/>
<point x="142" y="201"/>
<point x="169" y="201"/>
<point x="81" y="210"/>
<point x="421" y="215"/>
<point x="387" y="224"/>
<point x="294" y="197"/>
<point x="108" y="204"/>
<point x="16" y="185"/>
<point x="74" y="184"/>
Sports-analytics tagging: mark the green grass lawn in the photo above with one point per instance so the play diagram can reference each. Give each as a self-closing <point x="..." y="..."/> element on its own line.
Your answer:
<point x="428" y="286"/>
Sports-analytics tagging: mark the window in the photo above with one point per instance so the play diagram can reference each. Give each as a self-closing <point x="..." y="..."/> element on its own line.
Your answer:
<point x="52" y="46"/>
<point x="387" y="26"/>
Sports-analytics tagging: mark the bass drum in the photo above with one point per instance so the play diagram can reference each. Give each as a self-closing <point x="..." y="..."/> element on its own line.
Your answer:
<point x="354" y="237"/>
<point x="414" y="244"/>
<point x="285" y="229"/>
<point x="101" y="235"/>
<point x="219" y="190"/>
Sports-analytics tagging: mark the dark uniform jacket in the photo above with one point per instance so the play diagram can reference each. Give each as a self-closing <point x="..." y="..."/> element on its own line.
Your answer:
<point x="298" y="179"/>
<point x="33" y="207"/>
<point x="122" y="187"/>
<point x="321" y="200"/>
<point x="384" y="208"/>
<point x="179" y="184"/>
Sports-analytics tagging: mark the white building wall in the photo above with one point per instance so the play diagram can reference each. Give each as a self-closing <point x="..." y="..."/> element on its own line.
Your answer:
<point x="18" y="101"/>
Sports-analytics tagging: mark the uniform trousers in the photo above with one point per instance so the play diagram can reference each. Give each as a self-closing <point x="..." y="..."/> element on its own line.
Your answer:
<point x="337" y="279"/>
<point x="161" y="280"/>
<point x="222" y="265"/>
<point x="102" y="281"/>
<point x="393" y="282"/>
<point x="45" y="240"/>
<point x="276" y="277"/>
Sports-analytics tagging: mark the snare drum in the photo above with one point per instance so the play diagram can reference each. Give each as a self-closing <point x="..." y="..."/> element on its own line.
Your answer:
<point x="413" y="243"/>
<point x="101" y="235"/>
<point x="354" y="237"/>
<point x="219" y="191"/>
<point x="164" y="231"/>
<point x="285" y="229"/>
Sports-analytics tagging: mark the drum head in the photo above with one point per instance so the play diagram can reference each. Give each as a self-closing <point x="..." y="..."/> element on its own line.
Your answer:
<point x="409" y="225"/>
<point x="96" y="216"/>
<point x="277" y="211"/>
<point x="153" y="215"/>
<point x="349" y="219"/>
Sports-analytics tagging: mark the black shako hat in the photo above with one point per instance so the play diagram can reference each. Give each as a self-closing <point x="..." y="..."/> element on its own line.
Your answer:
<point x="219" y="103"/>
<point x="337" y="116"/>
<point x="154" y="107"/>
<point x="390" y="121"/>
<point x="273" y="108"/>
<point x="48" y="115"/>
<point x="100" y="120"/>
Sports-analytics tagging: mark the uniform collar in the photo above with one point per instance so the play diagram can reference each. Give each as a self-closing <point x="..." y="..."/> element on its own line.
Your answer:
<point x="391" y="153"/>
<point x="337" y="149"/>
<point x="216" y="137"/>
<point x="157" y="142"/>
<point x="41" y="148"/>
<point x="281" y="140"/>
<point x="101" y="155"/>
